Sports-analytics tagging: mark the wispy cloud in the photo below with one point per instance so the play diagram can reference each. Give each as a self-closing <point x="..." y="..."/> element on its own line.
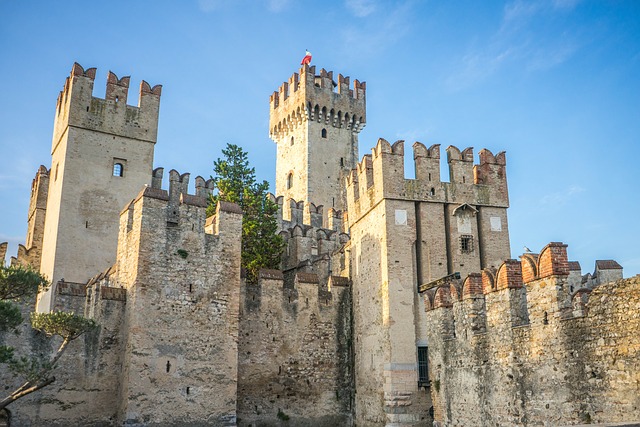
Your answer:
<point x="561" y="197"/>
<point x="379" y="34"/>
<point x="476" y="66"/>
<point x="361" y="8"/>
<point x="519" y="10"/>
<point x="515" y="41"/>
<point x="546" y="58"/>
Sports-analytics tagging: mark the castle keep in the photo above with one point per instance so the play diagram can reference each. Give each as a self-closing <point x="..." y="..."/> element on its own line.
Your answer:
<point x="397" y="302"/>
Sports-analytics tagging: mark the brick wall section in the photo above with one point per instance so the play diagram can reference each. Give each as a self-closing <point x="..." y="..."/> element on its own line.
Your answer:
<point x="442" y="297"/>
<point x="509" y="275"/>
<point x="488" y="280"/>
<point x="70" y="296"/>
<point x="529" y="267"/>
<point x="70" y="288"/>
<point x="553" y="260"/>
<point x="114" y="294"/>
<point x="472" y="285"/>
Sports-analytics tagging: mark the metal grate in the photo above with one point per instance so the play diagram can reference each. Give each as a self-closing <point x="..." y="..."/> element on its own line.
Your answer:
<point x="423" y="367"/>
<point x="466" y="243"/>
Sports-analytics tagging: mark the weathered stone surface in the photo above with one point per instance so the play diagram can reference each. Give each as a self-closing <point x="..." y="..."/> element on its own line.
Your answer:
<point x="294" y="354"/>
<point x="555" y="368"/>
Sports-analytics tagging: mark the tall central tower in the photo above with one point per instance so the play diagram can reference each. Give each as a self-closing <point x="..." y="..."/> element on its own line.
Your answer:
<point x="315" y="123"/>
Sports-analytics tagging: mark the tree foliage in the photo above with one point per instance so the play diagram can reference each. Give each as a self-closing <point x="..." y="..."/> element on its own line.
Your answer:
<point x="19" y="282"/>
<point x="22" y="283"/>
<point x="235" y="181"/>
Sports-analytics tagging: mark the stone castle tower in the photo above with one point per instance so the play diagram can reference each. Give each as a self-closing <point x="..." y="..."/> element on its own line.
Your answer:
<point x="315" y="123"/>
<point x="102" y="154"/>
<point x="407" y="235"/>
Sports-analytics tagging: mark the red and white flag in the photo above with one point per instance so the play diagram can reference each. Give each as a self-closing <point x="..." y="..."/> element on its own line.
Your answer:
<point x="306" y="59"/>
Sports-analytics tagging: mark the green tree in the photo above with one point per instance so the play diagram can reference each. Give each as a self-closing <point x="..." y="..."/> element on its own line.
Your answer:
<point x="19" y="284"/>
<point x="235" y="181"/>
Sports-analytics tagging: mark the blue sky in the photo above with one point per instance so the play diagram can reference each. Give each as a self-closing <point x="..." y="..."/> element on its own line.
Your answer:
<point x="555" y="83"/>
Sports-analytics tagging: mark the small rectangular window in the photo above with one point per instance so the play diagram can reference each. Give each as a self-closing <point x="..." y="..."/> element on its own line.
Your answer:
<point x="423" y="367"/>
<point x="118" y="169"/>
<point x="466" y="243"/>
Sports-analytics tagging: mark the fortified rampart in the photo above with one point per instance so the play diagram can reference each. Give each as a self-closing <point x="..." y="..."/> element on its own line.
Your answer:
<point x="182" y="278"/>
<point x="462" y="222"/>
<point x="174" y="278"/>
<point x="522" y="347"/>
<point x="314" y="239"/>
<point x="294" y="353"/>
<point x="85" y="391"/>
<point x="307" y="96"/>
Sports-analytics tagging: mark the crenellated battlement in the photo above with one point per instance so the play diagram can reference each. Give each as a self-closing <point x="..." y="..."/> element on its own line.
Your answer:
<point x="543" y="277"/>
<point x="524" y="326"/>
<point x="78" y="108"/>
<point x="272" y="293"/>
<point x="174" y="210"/>
<point x="312" y="97"/>
<point x="314" y="238"/>
<point x="381" y="175"/>
<point x="307" y="215"/>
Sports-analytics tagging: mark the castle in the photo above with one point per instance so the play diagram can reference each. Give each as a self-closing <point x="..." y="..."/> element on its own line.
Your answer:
<point x="397" y="302"/>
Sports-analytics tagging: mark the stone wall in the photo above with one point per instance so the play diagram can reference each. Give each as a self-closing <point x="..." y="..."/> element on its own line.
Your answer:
<point x="91" y="135"/>
<point x="31" y="252"/>
<point x="182" y="275"/>
<point x="168" y="316"/>
<point x="531" y="352"/>
<point x="294" y="353"/>
<point x="85" y="391"/>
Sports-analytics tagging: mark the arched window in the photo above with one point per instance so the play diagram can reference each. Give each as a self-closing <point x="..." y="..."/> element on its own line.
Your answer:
<point x="324" y="133"/>
<point x="290" y="180"/>
<point x="118" y="169"/>
<point x="291" y="140"/>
